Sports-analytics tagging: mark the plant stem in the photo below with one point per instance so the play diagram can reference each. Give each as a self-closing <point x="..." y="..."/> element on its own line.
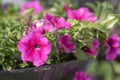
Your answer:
<point x="113" y="70"/>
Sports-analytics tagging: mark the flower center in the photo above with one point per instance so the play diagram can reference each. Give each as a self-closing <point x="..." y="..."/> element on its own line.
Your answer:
<point x="85" y="48"/>
<point x="37" y="47"/>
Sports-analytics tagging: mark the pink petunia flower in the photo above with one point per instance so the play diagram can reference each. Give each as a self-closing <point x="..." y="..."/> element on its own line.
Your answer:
<point x="81" y="14"/>
<point x="66" y="44"/>
<point x="34" y="48"/>
<point x="112" y="47"/>
<point x="80" y="75"/>
<point x="34" y="5"/>
<point x="53" y="24"/>
<point x="93" y="50"/>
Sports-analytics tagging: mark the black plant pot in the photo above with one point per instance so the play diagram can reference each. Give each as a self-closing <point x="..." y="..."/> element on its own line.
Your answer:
<point x="61" y="71"/>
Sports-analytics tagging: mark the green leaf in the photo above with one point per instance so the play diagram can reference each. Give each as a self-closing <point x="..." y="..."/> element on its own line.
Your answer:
<point x="101" y="9"/>
<point x="91" y="5"/>
<point x="80" y="55"/>
<point x="109" y="21"/>
<point x="73" y="22"/>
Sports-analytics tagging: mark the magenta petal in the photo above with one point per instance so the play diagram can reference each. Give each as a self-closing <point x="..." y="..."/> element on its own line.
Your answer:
<point x="66" y="7"/>
<point x="80" y="75"/>
<point x="50" y="28"/>
<point x="89" y="51"/>
<point x="46" y="49"/>
<point x="71" y="14"/>
<point x="93" y="18"/>
<point x="66" y="44"/>
<point x="43" y="42"/>
<point x="39" y="58"/>
<point x="26" y="56"/>
<point x="114" y="40"/>
<point x="95" y="43"/>
<point x="110" y="54"/>
<point x="67" y="25"/>
<point x="22" y="46"/>
<point x="53" y="24"/>
<point x="33" y="5"/>
<point x="23" y="43"/>
<point x="118" y="50"/>
<point x="82" y="13"/>
<point x="37" y="7"/>
<point x="49" y="17"/>
<point x="69" y="47"/>
<point x="60" y="22"/>
<point x="112" y="47"/>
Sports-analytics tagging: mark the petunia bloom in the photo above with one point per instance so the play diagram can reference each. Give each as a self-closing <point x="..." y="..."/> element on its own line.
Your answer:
<point x="66" y="44"/>
<point x="34" y="48"/>
<point x="34" y="5"/>
<point x="81" y="14"/>
<point x="112" y="47"/>
<point x="93" y="50"/>
<point x="80" y="75"/>
<point x="53" y="24"/>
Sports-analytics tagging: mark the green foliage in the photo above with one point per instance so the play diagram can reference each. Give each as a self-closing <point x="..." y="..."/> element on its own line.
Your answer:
<point x="88" y="30"/>
<point x="12" y="26"/>
<point x="101" y="9"/>
<point x="110" y="21"/>
<point x="11" y="29"/>
<point x="10" y="34"/>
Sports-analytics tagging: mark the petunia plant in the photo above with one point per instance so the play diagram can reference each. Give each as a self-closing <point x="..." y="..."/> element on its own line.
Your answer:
<point x="82" y="32"/>
<point x="35" y="35"/>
